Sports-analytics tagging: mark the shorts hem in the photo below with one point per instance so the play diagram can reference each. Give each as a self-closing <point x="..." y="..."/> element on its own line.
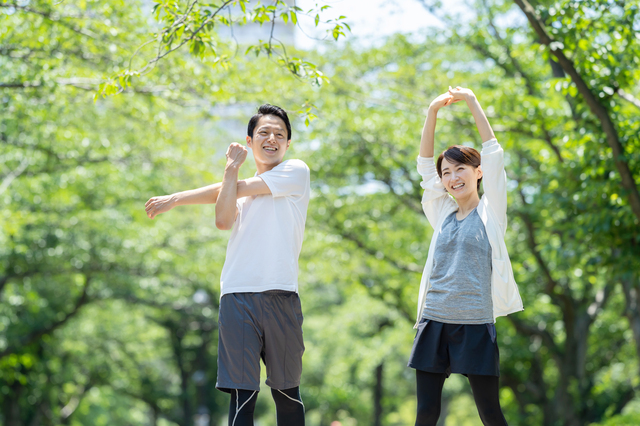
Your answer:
<point x="228" y="387"/>
<point x="430" y="369"/>
<point x="459" y="321"/>
<point x="282" y="386"/>
<point x="427" y="369"/>
<point x="260" y="289"/>
<point x="472" y="373"/>
<point x="449" y="372"/>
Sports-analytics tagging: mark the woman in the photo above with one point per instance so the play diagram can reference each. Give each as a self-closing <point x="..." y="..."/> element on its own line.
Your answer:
<point x="467" y="281"/>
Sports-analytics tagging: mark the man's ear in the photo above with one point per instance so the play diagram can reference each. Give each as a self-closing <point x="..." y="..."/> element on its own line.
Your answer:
<point x="288" y="143"/>
<point x="249" y="141"/>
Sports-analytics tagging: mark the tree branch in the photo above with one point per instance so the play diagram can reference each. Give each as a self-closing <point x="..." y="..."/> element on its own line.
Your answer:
<point x="628" y="180"/>
<point x="160" y="56"/>
<point x="32" y="337"/>
<point x="376" y="253"/>
<point x="11" y="177"/>
<point x="629" y="97"/>
<point x="530" y="330"/>
<point x="507" y="49"/>
<point x="48" y="16"/>
<point x="83" y="84"/>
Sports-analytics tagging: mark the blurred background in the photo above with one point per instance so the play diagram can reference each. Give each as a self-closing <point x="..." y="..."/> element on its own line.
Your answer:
<point x="110" y="318"/>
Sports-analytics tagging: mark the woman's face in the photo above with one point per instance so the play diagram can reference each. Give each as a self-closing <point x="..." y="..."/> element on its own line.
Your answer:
<point x="460" y="180"/>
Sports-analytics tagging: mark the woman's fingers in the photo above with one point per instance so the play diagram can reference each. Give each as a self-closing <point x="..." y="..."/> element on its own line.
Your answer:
<point x="458" y="94"/>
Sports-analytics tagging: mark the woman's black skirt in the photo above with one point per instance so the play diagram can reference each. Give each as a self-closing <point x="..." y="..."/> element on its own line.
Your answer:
<point x="455" y="348"/>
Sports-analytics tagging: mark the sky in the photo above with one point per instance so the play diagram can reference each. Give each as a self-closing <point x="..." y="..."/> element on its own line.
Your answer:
<point x="372" y="20"/>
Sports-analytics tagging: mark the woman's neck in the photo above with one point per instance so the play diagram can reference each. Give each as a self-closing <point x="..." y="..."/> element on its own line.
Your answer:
<point x="466" y="205"/>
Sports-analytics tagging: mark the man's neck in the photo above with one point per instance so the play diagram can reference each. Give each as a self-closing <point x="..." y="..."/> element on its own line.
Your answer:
<point x="261" y="168"/>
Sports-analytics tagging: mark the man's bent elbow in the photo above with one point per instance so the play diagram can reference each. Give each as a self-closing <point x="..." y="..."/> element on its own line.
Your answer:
<point x="224" y="225"/>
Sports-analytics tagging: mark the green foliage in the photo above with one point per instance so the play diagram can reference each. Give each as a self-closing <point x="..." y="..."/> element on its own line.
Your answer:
<point x="107" y="317"/>
<point x="197" y="25"/>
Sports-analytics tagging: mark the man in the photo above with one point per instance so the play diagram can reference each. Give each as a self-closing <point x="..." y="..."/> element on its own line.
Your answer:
<point x="260" y="314"/>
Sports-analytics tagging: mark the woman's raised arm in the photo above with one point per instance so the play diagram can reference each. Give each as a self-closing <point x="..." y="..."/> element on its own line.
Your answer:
<point x="429" y="130"/>
<point x="484" y="128"/>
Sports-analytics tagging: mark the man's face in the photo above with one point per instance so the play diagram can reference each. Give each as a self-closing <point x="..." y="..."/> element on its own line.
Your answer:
<point x="270" y="141"/>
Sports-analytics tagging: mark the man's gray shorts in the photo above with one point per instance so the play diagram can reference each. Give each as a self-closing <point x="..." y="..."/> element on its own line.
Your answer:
<point x="265" y="325"/>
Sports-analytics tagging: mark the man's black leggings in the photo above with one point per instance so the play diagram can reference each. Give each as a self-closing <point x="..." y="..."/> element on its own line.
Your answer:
<point x="485" y="393"/>
<point x="289" y="407"/>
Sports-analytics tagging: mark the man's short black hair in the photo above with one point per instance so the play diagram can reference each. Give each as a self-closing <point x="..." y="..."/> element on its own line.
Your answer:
<point x="268" y="109"/>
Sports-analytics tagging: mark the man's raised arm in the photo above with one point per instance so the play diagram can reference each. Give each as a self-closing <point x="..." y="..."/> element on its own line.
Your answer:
<point x="226" y="208"/>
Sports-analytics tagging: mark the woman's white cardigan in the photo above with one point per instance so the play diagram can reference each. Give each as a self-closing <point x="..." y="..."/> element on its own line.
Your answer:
<point x="438" y="204"/>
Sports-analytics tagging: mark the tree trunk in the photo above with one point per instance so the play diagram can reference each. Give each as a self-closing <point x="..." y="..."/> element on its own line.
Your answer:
<point x="632" y="310"/>
<point x="377" y="396"/>
<point x="11" y="406"/>
<point x="178" y="351"/>
<point x="153" y="416"/>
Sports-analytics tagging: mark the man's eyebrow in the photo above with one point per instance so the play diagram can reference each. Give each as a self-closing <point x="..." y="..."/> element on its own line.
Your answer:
<point x="268" y="126"/>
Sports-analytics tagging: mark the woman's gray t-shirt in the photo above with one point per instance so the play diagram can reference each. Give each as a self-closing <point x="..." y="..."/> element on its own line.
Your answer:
<point x="460" y="291"/>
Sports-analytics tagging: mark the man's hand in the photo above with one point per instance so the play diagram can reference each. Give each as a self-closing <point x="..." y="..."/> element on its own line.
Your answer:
<point x="157" y="205"/>
<point x="236" y="154"/>
<point x="441" y="101"/>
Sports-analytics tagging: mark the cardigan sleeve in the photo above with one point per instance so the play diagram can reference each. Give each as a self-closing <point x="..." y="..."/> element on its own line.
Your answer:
<point x="435" y="199"/>
<point x="495" y="180"/>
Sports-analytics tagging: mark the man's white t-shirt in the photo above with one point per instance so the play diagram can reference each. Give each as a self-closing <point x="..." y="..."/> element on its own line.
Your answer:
<point x="267" y="235"/>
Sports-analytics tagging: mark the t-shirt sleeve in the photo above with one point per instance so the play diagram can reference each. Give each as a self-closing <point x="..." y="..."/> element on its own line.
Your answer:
<point x="289" y="178"/>
<point x="239" y="206"/>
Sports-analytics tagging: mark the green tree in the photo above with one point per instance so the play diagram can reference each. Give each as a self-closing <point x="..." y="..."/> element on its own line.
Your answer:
<point x="107" y="317"/>
<point x="573" y="234"/>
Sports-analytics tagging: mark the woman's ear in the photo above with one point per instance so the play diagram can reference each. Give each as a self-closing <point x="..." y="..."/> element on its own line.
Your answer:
<point x="479" y="172"/>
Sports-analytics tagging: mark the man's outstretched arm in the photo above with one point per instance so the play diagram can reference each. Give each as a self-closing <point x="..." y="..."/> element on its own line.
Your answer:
<point x="205" y="195"/>
<point x="162" y="204"/>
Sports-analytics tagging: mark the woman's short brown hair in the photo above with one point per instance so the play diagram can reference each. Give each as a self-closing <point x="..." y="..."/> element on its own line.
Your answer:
<point x="459" y="154"/>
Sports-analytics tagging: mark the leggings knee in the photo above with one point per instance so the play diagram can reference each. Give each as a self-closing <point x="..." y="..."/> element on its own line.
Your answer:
<point x="287" y="400"/>
<point x="428" y="415"/>
<point x="241" y="407"/>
